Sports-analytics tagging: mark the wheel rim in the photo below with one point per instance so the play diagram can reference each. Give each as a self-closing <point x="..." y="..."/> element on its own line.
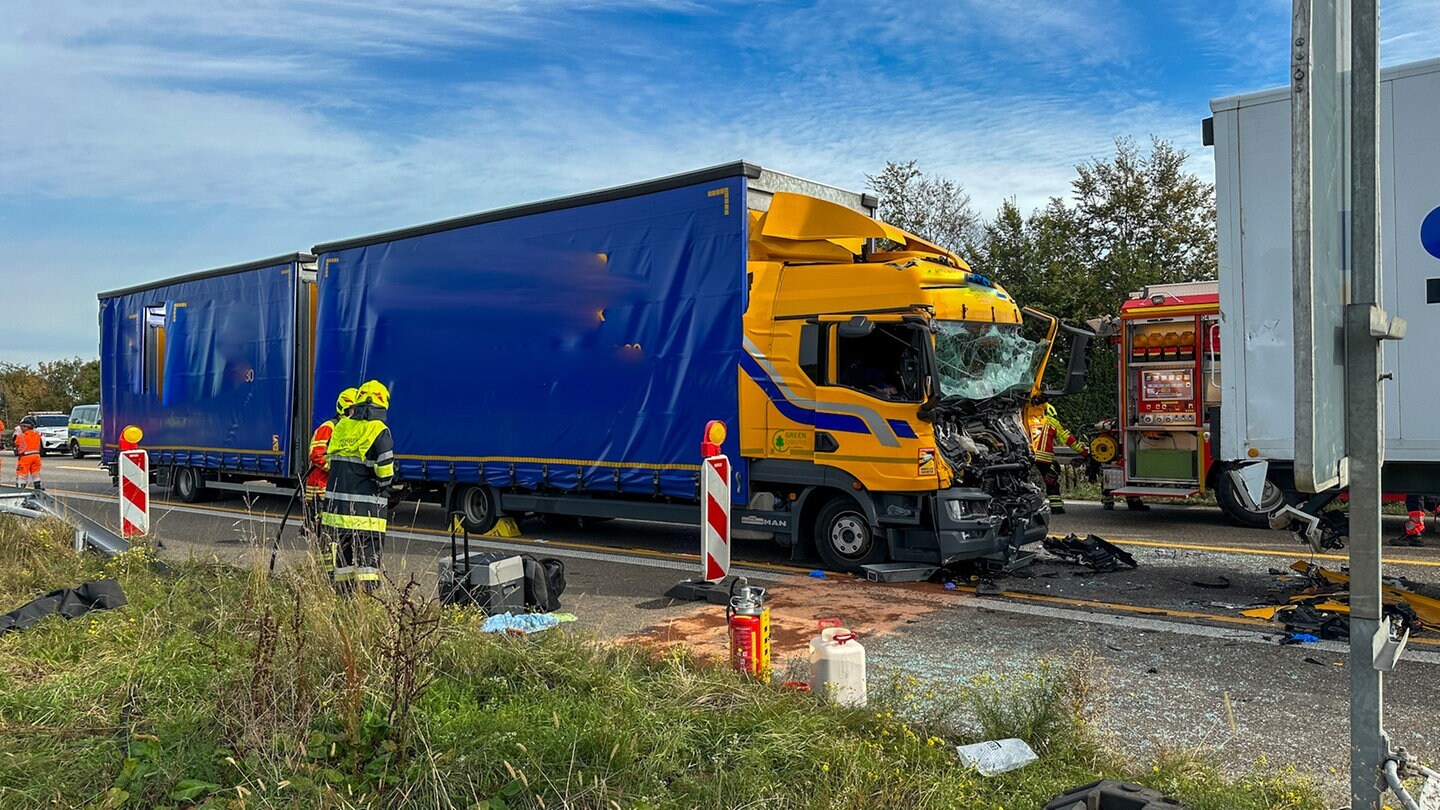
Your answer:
<point x="849" y="535"/>
<point x="1271" y="498"/>
<point x="185" y="482"/>
<point x="477" y="505"/>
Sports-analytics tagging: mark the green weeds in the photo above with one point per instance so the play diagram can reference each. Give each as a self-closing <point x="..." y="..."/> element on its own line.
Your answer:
<point x="226" y="688"/>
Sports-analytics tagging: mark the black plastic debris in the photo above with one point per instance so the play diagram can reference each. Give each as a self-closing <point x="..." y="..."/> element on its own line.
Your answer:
<point x="1094" y="552"/>
<point x="1219" y="583"/>
<point x="1108" y="794"/>
<point x="102" y="594"/>
<point x="1307" y="620"/>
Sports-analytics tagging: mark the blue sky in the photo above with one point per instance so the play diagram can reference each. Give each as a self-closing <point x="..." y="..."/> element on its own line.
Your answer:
<point x="149" y="138"/>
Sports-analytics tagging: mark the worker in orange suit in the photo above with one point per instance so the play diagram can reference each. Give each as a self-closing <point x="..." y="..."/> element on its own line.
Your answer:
<point x="2" y="458"/>
<point x="319" y="474"/>
<point x="27" y="447"/>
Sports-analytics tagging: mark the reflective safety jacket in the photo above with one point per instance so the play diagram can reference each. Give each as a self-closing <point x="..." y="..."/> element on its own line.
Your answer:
<point x="362" y="464"/>
<point x="319" y="440"/>
<point x="1042" y="438"/>
<point x="28" y="443"/>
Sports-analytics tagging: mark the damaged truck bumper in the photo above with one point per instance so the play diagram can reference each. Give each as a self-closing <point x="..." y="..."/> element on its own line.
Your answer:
<point x="964" y="528"/>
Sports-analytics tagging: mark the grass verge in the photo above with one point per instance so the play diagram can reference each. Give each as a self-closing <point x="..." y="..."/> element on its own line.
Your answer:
<point x="217" y="687"/>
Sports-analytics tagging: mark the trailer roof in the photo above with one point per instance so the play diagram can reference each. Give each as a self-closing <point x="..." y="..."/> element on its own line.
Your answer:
<point x="1283" y="93"/>
<point x="735" y="169"/>
<point x="287" y="258"/>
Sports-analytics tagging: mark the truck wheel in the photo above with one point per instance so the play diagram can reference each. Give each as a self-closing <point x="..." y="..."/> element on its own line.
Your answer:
<point x="75" y="451"/>
<point x="189" y="486"/>
<point x="844" y="537"/>
<point x="1233" y="505"/>
<point x="477" y="506"/>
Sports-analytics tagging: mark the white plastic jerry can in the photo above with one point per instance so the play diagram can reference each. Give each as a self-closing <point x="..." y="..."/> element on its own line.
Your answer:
<point x="837" y="664"/>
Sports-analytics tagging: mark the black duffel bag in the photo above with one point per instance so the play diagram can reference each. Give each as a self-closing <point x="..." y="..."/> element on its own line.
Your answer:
<point x="544" y="582"/>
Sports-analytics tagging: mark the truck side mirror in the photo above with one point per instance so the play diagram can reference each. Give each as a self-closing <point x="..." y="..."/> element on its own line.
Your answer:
<point x="1077" y="364"/>
<point x="858" y="326"/>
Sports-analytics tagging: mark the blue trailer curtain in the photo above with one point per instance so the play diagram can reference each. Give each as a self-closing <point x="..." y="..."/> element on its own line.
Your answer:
<point x="575" y="349"/>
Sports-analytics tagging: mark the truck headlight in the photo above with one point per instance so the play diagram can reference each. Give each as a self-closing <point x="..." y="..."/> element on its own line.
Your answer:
<point x="957" y="510"/>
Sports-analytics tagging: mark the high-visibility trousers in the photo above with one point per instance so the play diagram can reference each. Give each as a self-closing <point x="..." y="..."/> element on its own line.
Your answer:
<point x="27" y="469"/>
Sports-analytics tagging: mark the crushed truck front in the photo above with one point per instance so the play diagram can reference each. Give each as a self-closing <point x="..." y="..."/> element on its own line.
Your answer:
<point x="882" y="393"/>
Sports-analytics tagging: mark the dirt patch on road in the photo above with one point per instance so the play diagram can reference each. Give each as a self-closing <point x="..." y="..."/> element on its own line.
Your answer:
<point x="796" y="605"/>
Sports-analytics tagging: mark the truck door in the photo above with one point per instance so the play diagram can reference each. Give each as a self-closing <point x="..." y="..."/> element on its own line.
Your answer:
<point x="870" y="382"/>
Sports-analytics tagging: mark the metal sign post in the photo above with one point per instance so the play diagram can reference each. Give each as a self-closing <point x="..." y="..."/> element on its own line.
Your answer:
<point x="1339" y="326"/>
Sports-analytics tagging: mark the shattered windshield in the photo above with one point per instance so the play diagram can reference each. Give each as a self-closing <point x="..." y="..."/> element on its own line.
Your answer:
<point x="981" y="360"/>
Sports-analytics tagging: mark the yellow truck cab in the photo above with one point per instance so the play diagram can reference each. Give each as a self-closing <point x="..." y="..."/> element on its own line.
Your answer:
<point x="886" y="383"/>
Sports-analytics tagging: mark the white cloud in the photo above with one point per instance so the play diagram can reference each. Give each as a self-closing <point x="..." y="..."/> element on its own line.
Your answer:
<point x="246" y="130"/>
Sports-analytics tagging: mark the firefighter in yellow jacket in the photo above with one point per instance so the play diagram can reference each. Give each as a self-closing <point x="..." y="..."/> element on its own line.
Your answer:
<point x="361" y="453"/>
<point x="1043" y="432"/>
<point x="319" y="473"/>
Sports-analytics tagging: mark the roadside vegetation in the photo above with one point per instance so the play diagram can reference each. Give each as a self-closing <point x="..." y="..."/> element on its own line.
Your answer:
<point x="224" y="688"/>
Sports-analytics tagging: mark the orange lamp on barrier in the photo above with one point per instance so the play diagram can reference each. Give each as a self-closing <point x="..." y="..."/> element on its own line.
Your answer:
<point x="714" y="437"/>
<point x="130" y="437"/>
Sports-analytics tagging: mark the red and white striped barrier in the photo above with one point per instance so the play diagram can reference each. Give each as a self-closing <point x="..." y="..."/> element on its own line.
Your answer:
<point x="134" y="493"/>
<point x="716" y="542"/>
<point x="715" y="504"/>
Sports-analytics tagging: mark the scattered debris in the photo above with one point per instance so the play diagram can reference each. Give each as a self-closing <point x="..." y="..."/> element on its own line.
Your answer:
<point x="1300" y="638"/>
<point x="899" y="572"/>
<point x="1220" y="583"/>
<point x="102" y="594"/>
<point x="524" y="623"/>
<point x="1316" y="603"/>
<point x="817" y="574"/>
<point x="986" y="587"/>
<point x="1094" y="551"/>
<point x="997" y="756"/>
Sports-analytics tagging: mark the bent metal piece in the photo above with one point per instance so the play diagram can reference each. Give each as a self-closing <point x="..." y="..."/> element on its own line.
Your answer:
<point x="38" y="504"/>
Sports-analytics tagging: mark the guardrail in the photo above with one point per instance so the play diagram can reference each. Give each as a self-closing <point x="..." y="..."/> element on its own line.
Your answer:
<point x="33" y="503"/>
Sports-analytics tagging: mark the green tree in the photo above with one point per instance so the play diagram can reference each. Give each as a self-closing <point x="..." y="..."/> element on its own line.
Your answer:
<point x="929" y="206"/>
<point x="1131" y="220"/>
<point x="1145" y="220"/>
<point x="57" y="385"/>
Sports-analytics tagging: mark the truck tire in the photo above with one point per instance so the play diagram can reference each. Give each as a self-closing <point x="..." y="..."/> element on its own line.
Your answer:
<point x="189" y="486"/>
<point x="75" y="451"/>
<point x="1271" y="498"/>
<point x="844" y="537"/>
<point x="477" y="508"/>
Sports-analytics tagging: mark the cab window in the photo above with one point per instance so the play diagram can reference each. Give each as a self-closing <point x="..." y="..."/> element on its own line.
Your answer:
<point x="884" y="364"/>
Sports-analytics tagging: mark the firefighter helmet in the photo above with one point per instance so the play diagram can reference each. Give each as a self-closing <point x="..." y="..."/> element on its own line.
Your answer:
<point x="346" y="400"/>
<point x="375" y="391"/>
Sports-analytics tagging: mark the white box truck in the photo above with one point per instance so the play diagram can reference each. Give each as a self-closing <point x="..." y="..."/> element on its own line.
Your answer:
<point x="1251" y="136"/>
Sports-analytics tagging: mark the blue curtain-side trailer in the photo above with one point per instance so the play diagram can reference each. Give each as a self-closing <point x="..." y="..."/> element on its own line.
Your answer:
<point x="212" y="368"/>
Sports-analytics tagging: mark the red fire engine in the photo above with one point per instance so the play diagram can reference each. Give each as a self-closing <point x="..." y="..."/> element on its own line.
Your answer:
<point x="1169" y="366"/>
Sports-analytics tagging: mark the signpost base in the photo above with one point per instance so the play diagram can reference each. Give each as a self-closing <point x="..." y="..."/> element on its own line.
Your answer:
<point x="695" y="590"/>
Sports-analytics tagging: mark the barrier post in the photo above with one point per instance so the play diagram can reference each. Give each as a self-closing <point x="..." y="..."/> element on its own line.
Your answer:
<point x="134" y="493"/>
<point x="713" y="584"/>
<point x="715" y="505"/>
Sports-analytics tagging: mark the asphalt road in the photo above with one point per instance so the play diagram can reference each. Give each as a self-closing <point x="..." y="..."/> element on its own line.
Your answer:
<point x="1173" y="662"/>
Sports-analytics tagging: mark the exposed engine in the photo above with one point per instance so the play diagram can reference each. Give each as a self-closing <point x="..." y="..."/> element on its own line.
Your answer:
<point x="986" y="446"/>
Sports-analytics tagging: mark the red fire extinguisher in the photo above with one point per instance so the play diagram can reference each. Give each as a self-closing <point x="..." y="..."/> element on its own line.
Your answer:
<point x="748" y="619"/>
